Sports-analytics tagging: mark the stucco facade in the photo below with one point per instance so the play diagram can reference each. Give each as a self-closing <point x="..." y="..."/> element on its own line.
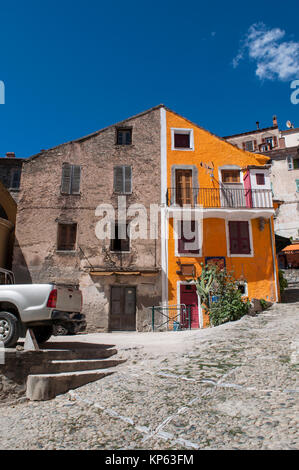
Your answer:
<point x="258" y="269"/>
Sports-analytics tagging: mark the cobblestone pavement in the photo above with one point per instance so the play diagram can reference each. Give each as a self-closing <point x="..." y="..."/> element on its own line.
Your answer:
<point x="229" y="387"/>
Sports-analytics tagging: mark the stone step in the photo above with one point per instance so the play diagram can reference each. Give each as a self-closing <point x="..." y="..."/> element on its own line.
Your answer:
<point x="47" y="386"/>
<point x="58" y="366"/>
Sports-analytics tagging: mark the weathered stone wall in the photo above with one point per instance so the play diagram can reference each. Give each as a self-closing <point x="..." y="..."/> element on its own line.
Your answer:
<point x="42" y="206"/>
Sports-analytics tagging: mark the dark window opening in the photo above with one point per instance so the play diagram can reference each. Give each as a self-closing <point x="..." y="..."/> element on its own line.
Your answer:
<point x="242" y="288"/>
<point x="121" y="240"/>
<point x="124" y="136"/>
<point x="260" y="179"/>
<point x="15" y="179"/>
<point x="67" y="234"/>
<point x="182" y="140"/>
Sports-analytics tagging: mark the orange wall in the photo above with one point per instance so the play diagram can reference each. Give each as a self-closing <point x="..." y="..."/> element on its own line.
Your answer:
<point x="257" y="270"/>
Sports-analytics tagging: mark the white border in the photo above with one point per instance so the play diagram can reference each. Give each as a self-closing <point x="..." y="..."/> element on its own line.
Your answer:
<point x="179" y="130"/>
<point x="228" y="253"/>
<point x="176" y="240"/>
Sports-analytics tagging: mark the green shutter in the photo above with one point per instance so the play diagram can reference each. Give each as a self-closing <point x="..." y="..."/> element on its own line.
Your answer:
<point x="128" y="179"/>
<point x="118" y="179"/>
<point x="297" y="186"/>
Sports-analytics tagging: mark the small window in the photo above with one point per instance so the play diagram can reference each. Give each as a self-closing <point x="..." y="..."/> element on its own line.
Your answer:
<point x="182" y="139"/>
<point x="188" y="240"/>
<point x="67" y="234"/>
<point x="239" y="239"/>
<point x="249" y="146"/>
<point x="297" y="186"/>
<point x="15" y="179"/>
<point x="70" y="179"/>
<point x="260" y="179"/>
<point x="230" y="176"/>
<point x="124" y="136"/>
<point x="123" y="179"/>
<point x="121" y="240"/>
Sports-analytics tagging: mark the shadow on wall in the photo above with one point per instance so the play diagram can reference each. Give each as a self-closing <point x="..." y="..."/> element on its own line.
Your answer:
<point x="20" y="267"/>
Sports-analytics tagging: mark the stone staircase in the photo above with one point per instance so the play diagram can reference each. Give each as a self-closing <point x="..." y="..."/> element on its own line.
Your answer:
<point x="58" y="368"/>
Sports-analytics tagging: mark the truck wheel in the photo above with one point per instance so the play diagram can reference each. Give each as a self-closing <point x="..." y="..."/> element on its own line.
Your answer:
<point x="60" y="330"/>
<point x="43" y="333"/>
<point x="9" y="329"/>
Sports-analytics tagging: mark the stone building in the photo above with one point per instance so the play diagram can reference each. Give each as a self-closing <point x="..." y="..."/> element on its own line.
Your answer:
<point x="10" y="173"/>
<point x="56" y="240"/>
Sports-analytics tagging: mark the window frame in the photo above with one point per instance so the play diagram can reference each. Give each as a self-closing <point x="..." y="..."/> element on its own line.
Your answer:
<point x="72" y="177"/>
<point x="128" y="239"/>
<point x="123" y="179"/>
<point x="177" y="130"/>
<point x="227" y="234"/>
<point x="188" y="254"/>
<point x="123" y="129"/>
<point x="58" y="248"/>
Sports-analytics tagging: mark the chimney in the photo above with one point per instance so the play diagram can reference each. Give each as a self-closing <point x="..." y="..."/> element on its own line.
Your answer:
<point x="10" y="155"/>
<point x="257" y="124"/>
<point x="275" y="121"/>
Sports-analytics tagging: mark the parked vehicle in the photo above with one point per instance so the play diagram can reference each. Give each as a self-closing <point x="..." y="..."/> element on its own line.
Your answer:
<point x="41" y="307"/>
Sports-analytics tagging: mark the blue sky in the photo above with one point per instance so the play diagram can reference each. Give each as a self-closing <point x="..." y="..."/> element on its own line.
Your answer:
<point x="73" y="67"/>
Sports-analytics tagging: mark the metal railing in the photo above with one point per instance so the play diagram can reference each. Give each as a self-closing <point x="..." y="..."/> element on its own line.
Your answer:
<point x="171" y="318"/>
<point x="220" y="197"/>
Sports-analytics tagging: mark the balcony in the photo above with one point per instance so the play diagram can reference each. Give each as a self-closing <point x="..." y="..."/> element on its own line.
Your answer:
<point x="220" y="198"/>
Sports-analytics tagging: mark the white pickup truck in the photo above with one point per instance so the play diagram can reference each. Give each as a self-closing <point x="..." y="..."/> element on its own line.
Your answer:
<point x="37" y="306"/>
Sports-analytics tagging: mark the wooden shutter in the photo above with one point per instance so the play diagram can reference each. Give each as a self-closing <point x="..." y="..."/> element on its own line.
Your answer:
<point x="255" y="145"/>
<point x="118" y="179"/>
<point x="183" y="187"/>
<point x="184" y="239"/>
<point x="76" y="176"/>
<point x="67" y="236"/>
<point x="244" y="145"/>
<point x="128" y="179"/>
<point x="66" y="178"/>
<point x="239" y="239"/>
<point x="260" y="179"/>
<point x="274" y="141"/>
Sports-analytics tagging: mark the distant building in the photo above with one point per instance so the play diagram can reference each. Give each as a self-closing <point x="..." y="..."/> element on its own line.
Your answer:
<point x="282" y="146"/>
<point x="10" y="173"/>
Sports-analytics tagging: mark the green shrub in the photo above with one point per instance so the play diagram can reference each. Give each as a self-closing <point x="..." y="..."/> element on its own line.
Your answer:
<point x="230" y="305"/>
<point x="283" y="283"/>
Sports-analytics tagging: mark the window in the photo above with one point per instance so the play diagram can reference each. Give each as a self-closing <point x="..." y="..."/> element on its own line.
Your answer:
<point x="67" y="234"/>
<point x="188" y="240"/>
<point x="260" y="179"/>
<point x="121" y="240"/>
<point x="249" y="146"/>
<point x="70" y="179"/>
<point x="182" y="139"/>
<point x="239" y="239"/>
<point x="297" y="186"/>
<point x="124" y="136"/>
<point x="293" y="163"/>
<point x="123" y="179"/>
<point x="15" y="179"/>
<point x="243" y="288"/>
<point x="269" y="140"/>
<point x="183" y="187"/>
<point x="230" y="176"/>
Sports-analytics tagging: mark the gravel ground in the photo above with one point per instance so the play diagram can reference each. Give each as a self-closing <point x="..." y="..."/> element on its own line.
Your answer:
<point x="229" y="387"/>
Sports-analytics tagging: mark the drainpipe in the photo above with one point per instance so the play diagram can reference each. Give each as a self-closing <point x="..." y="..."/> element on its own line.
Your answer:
<point x="273" y="257"/>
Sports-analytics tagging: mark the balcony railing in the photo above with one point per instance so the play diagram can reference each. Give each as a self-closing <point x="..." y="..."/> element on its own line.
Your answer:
<point x="220" y="197"/>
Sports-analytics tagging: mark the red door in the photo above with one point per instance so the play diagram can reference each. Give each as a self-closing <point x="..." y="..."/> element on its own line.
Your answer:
<point x="190" y="299"/>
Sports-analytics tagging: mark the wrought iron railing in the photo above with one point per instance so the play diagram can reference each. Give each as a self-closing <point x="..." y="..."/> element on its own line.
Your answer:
<point x="223" y="197"/>
<point x="172" y="317"/>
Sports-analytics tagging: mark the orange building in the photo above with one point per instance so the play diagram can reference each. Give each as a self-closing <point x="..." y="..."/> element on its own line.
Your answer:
<point x="227" y="194"/>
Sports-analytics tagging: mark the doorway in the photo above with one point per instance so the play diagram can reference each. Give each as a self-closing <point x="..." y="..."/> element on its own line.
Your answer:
<point x="123" y="308"/>
<point x="189" y="297"/>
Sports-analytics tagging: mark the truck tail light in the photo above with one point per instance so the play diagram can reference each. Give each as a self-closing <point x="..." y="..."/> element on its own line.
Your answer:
<point x="52" y="299"/>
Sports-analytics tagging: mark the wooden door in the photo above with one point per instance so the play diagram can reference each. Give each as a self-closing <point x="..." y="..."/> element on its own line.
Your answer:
<point x="190" y="299"/>
<point x="123" y="308"/>
<point x="183" y="185"/>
